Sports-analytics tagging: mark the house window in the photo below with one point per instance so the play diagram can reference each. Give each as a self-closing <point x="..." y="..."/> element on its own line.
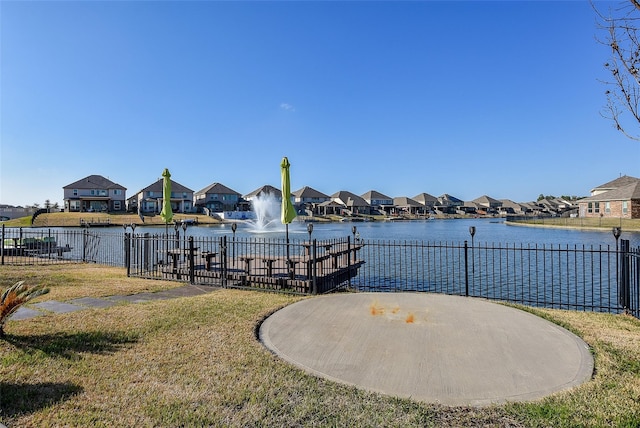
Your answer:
<point x="607" y="207"/>
<point x="116" y="205"/>
<point x="596" y="207"/>
<point x="75" y="192"/>
<point x="625" y="207"/>
<point x="590" y="207"/>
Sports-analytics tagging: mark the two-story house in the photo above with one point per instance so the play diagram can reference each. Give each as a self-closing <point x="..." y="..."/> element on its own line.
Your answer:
<point x="379" y="201"/>
<point x="309" y="199"/>
<point x="149" y="200"/>
<point x="427" y="200"/>
<point x="448" y="204"/>
<point x="216" y="198"/>
<point x="94" y="194"/>
<point x="487" y="204"/>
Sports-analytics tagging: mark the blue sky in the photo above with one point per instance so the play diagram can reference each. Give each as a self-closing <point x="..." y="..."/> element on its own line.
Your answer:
<point x="466" y="98"/>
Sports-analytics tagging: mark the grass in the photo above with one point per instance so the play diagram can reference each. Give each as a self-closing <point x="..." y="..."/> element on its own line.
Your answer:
<point x="64" y="219"/>
<point x="605" y="223"/>
<point x="196" y="362"/>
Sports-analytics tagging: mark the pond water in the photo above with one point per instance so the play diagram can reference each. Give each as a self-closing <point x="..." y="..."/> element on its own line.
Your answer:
<point x="487" y="231"/>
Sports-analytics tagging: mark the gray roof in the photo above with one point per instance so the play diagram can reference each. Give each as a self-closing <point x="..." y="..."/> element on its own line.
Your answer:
<point x="403" y="201"/>
<point x="350" y="199"/>
<point x="423" y="198"/>
<point x="94" y="182"/>
<point x="509" y="203"/>
<point x="175" y="187"/>
<point x="625" y="193"/>
<point x="373" y="194"/>
<point x="616" y="184"/>
<point x="217" y="188"/>
<point x="453" y="199"/>
<point x="266" y="189"/>
<point x="484" y="199"/>
<point x="308" y="192"/>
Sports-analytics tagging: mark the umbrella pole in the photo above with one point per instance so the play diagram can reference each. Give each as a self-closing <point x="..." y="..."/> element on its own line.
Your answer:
<point x="291" y="273"/>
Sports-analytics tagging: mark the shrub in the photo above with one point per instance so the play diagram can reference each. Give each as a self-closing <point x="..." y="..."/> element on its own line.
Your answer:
<point x="14" y="297"/>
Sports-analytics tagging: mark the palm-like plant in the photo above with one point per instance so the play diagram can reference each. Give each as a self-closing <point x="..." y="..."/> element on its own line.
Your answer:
<point x="14" y="297"/>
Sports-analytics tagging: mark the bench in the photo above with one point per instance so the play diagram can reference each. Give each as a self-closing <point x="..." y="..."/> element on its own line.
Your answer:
<point x="208" y="256"/>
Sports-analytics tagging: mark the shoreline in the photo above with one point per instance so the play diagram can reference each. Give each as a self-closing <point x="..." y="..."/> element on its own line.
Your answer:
<point x="81" y="220"/>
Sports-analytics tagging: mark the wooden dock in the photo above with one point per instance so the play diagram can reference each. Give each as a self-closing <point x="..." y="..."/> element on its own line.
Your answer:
<point x="306" y="274"/>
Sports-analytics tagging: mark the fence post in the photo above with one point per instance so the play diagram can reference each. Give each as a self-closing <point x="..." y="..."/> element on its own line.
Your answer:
<point x="145" y="252"/>
<point x="349" y="258"/>
<point x="314" y="274"/>
<point x="192" y="277"/>
<point x="466" y="269"/>
<point x="223" y="260"/>
<point x="2" y="247"/>
<point x="624" y="286"/>
<point x="127" y="253"/>
<point x="85" y="232"/>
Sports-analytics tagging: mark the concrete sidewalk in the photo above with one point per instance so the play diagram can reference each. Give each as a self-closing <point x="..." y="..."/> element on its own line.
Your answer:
<point x="54" y="306"/>
<point x="443" y="349"/>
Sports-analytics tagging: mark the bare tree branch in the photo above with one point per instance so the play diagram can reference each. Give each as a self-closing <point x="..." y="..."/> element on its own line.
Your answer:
<point x="622" y="26"/>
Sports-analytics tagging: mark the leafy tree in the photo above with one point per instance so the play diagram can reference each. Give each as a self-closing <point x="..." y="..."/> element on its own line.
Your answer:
<point x="621" y="24"/>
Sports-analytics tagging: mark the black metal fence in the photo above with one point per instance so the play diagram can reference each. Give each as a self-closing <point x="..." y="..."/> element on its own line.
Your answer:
<point x="557" y="276"/>
<point x="53" y="246"/>
<point x="588" y="278"/>
<point x="306" y="267"/>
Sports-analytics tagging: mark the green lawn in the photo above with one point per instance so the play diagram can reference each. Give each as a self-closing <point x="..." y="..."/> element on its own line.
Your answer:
<point x="196" y="362"/>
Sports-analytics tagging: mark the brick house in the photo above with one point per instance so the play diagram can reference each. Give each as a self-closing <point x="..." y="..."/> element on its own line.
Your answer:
<point x="619" y="198"/>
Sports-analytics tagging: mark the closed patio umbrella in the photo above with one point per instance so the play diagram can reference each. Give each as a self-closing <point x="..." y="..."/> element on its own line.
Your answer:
<point x="167" y="213"/>
<point x="288" y="211"/>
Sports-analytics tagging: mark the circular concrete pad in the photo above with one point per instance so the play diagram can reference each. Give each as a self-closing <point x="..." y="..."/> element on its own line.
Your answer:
<point x="433" y="348"/>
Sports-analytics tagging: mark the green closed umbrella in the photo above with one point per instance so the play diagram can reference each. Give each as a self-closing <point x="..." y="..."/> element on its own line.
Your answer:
<point x="167" y="213"/>
<point x="288" y="212"/>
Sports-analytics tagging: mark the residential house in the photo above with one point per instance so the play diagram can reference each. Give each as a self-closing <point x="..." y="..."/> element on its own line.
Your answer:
<point x="427" y="200"/>
<point x="404" y="205"/>
<point x="216" y="198"/>
<point x="330" y="207"/>
<point x="378" y="201"/>
<point x="352" y="204"/>
<point x="621" y="202"/>
<point x="263" y="191"/>
<point x="309" y="199"/>
<point x="614" y="184"/>
<point x="150" y="199"/>
<point x="470" y="207"/>
<point x="532" y="208"/>
<point x="510" y="207"/>
<point x="94" y="193"/>
<point x="488" y="204"/>
<point x="448" y="204"/>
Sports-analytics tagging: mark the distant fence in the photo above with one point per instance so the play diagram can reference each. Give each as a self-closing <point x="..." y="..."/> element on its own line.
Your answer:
<point x="26" y="246"/>
<point x="586" y="278"/>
